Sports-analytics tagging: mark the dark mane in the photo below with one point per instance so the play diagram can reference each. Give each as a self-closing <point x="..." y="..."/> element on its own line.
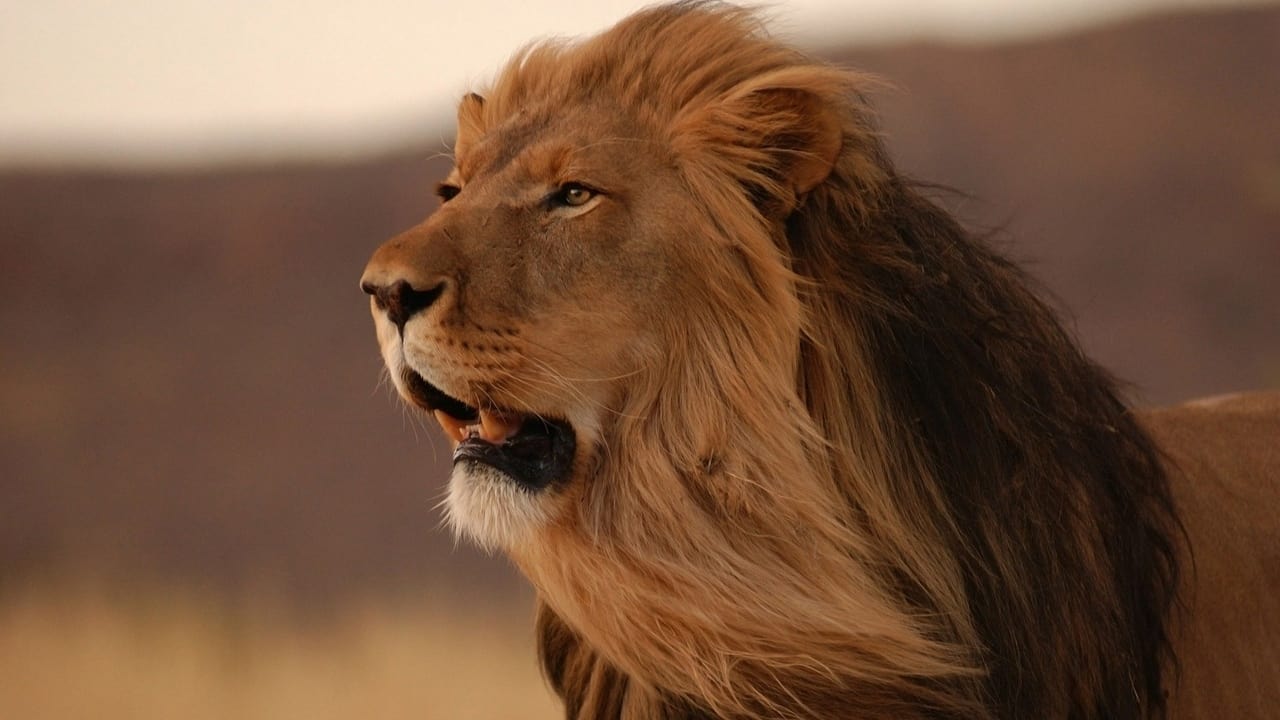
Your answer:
<point x="1060" y="506"/>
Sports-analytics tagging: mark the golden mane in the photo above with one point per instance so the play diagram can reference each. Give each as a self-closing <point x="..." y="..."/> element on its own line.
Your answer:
<point x="931" y="377"/>
<point x="862" y="470"/>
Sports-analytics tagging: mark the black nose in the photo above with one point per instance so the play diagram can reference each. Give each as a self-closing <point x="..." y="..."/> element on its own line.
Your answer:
<point x="401" y="300"/>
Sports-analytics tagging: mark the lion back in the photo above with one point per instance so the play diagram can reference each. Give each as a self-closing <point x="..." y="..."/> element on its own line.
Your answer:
<point x="1224" y="455"/>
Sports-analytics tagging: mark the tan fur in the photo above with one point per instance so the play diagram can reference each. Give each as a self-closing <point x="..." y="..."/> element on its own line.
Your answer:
<point x="834" y="458"/>
<point x="1226" y="480"/>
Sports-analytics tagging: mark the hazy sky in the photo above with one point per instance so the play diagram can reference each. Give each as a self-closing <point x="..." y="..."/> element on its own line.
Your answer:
<point x="175" y="81"/>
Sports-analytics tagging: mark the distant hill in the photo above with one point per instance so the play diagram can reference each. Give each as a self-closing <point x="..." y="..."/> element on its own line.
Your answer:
<point x="189" y="385"/>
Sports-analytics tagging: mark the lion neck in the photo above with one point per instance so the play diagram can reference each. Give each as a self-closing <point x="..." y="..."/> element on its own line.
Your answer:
<point x="719" y="505"/>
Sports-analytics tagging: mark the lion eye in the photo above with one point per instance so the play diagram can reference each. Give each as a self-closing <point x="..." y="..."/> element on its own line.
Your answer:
<point x="447" y="191"/>
<point x="573" y="195"/>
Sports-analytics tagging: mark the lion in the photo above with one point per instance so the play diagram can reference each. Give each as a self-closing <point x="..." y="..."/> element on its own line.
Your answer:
<point x="772" y="435"/>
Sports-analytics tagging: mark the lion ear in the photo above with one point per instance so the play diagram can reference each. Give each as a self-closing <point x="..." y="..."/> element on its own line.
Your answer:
<point x="805" y="138"/>
<point x="780" y="139"/>
<point x="470" y="123"/>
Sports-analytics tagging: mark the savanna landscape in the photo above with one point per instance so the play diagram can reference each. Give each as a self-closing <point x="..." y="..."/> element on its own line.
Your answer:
<point x="212" y="506"/>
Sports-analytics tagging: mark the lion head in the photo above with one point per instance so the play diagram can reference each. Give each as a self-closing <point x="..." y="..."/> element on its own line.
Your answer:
<point x="767" y="431"/>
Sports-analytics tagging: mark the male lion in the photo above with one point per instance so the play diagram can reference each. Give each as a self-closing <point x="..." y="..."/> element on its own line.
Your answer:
<point x="773" y="436"/>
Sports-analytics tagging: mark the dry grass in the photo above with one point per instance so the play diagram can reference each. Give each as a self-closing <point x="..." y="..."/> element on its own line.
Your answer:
<point x="81" y="654"/>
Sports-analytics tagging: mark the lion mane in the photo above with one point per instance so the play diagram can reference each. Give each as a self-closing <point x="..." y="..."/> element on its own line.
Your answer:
<point x="871" y="475"/>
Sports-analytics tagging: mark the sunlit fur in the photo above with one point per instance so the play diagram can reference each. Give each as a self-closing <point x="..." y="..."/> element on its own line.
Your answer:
<point x="848" y="465"/>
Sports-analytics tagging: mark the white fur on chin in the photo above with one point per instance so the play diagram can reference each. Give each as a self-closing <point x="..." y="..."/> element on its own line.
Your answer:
<point x="492" y="509"/>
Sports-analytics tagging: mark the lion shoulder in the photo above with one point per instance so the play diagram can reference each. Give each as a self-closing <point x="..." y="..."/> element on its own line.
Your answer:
<point x="1227" y="448"/>
<point x="1224" y="459"/>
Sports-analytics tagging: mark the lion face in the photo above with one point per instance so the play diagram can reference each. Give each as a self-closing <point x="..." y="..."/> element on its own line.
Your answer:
<point x="605" y="297"/>
<point x="517" y="312"/>
<point x="604" y="259"/>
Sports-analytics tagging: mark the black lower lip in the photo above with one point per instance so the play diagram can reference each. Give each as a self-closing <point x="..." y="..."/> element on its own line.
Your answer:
<point x="536" y="458"/>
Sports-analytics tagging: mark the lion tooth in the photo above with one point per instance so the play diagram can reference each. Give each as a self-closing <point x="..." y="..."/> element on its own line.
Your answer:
<point x="453" y="428"/>
<point x="497" y="428"/>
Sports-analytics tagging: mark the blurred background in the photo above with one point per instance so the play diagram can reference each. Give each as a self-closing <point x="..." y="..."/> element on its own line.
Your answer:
<point x="210" y="504"/>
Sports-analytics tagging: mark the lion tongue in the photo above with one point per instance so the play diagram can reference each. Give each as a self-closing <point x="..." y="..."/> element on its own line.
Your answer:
<point x="493" y="428"/>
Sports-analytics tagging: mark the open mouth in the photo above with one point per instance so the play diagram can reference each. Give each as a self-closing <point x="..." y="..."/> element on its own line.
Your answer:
<point x="533" y="451"/>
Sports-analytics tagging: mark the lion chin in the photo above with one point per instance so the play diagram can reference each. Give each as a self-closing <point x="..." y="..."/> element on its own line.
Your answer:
<point x="773" y="436"/>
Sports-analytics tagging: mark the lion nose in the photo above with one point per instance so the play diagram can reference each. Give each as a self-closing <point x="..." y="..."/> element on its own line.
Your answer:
<point x="400" y="300"/>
